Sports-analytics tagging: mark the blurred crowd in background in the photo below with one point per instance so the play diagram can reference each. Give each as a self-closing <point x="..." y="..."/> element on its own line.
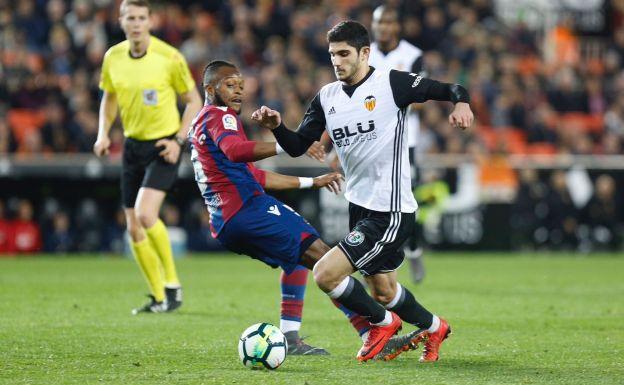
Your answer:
<point x="533" y="92"/>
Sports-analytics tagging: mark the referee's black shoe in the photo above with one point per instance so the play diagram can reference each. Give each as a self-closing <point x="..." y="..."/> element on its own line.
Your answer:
<point x="174" y="297"/>
<point x="151" y="307"/>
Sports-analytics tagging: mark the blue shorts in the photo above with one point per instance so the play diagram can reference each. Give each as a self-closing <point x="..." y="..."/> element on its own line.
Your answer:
<point x="268" y="230"/>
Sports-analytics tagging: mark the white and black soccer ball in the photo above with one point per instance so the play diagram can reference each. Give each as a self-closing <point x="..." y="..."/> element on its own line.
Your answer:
<point x="262" y="346"/>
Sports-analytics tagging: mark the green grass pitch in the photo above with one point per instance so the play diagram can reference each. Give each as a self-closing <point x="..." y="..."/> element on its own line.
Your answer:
<point x="516" y="319"/>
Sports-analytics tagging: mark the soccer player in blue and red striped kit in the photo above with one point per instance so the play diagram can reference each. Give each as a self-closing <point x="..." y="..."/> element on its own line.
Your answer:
<point x="242" y="216"/>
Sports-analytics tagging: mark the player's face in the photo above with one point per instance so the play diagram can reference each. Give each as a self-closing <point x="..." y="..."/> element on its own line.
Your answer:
<point x="346" y="60"/>
<point x="229" y="88"/>
<point x="135" y="22"/>
<point x="385" y="27"/>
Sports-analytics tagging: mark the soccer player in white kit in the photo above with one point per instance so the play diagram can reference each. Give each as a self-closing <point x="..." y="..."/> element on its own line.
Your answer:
<point x="390" y="52"/>
<point x="364" y="113"/>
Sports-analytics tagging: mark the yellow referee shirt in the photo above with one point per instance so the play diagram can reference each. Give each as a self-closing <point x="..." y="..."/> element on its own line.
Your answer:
<point x="146" y="88"/>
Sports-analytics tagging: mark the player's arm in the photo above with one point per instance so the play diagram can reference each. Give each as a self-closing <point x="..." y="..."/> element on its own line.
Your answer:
<point x="108" y="113"/>
<point x="173" y="147"/>
<point x="410" y="88"/>
<point x="275" y="181"/>
<point x="295" y="143"/>
<point x="236" y="149"/>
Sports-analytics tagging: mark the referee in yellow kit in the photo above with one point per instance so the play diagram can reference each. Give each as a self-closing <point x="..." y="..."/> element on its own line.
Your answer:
<point x="141" y="77"/>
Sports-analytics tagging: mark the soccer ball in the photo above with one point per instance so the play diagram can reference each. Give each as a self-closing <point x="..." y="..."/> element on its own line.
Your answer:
<point x="262" y="346"/>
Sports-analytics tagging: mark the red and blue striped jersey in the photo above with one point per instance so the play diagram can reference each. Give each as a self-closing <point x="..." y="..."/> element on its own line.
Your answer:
<point x="221" y="156"/>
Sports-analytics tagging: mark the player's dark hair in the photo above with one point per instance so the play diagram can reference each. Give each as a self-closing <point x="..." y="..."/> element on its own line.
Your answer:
<point x="136" y="3"/>
<point x="351" y="32"/>
<point x="212" y="68"/>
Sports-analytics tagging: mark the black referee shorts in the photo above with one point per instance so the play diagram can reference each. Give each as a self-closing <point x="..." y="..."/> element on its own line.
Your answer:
<point x="375" y="242"/>
<point x="143" y="167"/>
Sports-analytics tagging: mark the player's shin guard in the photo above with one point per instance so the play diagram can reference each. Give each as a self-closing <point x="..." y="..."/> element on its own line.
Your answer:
<point x="159" y="237"/>
<point x="148" y="262"/>
<point x="359" y="323"/>
<point x="351" y="294"/>
<point x="409" y="310"/>
<point x="293" y="287"/>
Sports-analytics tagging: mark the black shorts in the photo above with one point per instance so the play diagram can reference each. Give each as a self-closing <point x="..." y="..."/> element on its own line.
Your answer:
<point x="375" y="242"/>
<point x="143" y="167"/>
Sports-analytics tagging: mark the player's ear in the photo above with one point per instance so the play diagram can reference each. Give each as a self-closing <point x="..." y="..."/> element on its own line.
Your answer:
<point x="210" y="91"/>
<point x="364" y="53"/>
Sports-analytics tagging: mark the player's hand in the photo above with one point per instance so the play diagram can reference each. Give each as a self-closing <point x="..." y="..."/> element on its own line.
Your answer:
<point x="316" y="151"/>
<point x="461" y="116"/>
<point x="101" y="146"/>
<point x="267" y="118"/>
<point x="331" y="181"/>
<point x="171" y="150"/>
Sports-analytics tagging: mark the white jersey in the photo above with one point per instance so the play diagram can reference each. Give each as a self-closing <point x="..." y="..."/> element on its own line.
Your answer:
<point x="405" y="57"/>
<point x="366" y="122"/>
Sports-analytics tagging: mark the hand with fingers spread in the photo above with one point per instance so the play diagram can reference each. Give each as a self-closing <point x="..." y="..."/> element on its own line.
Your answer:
<point x="170" y="150"/>
<point x="316" y="151"/>
<point x="331" y="181"/>
<point x="461" y="117"/>
<point x="101" y="146"/>
<point x="267" y="118"/>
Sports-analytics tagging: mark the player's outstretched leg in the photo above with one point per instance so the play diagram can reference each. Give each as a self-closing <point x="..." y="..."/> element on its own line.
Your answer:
<point x="332" y="275"/>
<point x="431" y="329"/>
<point x="293" y="287"/>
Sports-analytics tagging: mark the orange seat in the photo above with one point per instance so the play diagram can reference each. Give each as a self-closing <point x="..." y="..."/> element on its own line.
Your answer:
<point x="541" y="148"/>
<point x="24" y="121"/>
<point x="587" y="122"/>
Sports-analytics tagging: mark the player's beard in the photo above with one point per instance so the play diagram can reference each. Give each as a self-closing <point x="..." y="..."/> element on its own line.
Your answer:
<point x="219" y="102"/>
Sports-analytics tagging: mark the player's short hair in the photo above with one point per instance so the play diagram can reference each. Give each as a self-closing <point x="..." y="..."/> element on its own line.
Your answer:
<point x="136" y="3"/>
<point x="212" y="68"/>
<point x="351" y="32"/>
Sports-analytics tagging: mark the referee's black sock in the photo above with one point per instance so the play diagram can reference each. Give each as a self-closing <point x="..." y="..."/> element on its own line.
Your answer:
<point x="409" y="310"/>
<point x="351" y="294"/>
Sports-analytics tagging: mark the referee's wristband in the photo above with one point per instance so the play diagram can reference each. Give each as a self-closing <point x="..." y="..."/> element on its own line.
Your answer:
<point x="305" y="182"/>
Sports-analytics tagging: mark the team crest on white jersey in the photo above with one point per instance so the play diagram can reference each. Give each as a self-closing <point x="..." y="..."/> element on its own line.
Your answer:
<point x="370" y="102"/>
<point x="355" y="238"/>
<point x="229" y="122"/>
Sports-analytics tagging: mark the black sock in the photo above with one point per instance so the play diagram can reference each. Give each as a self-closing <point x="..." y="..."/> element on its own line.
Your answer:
<point x="356" y="299"/>
<point x="410" y="311"/>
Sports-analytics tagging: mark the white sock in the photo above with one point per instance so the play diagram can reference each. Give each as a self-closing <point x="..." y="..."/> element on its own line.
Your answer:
<point x="364" y="336"/>
<point x="386" y="321"/>
<point x="340" y="289"/>
<point x="289" y="326"/>
<point x="435" y="324"/>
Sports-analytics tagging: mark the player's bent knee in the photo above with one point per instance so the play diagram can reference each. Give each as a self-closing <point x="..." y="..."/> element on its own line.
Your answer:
<point x="383" y="298"/>
<point x="135" y="232"/>
<point x="145" y="218"/>
<point x="323" y="277"/>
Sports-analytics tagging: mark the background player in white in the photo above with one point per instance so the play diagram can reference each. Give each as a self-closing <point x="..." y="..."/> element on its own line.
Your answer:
<point x="364" y="114"/>
<point x="389" y="52"/>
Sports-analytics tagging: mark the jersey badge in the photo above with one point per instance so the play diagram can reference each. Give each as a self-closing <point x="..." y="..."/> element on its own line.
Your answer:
<point x="274" y="210"/>
<point x="229" y="122"/>
<point x="355" y="238"/>
<point x="331" y="111"/>
<point x="370" y="102"/>
<point x="150" y="97"/>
